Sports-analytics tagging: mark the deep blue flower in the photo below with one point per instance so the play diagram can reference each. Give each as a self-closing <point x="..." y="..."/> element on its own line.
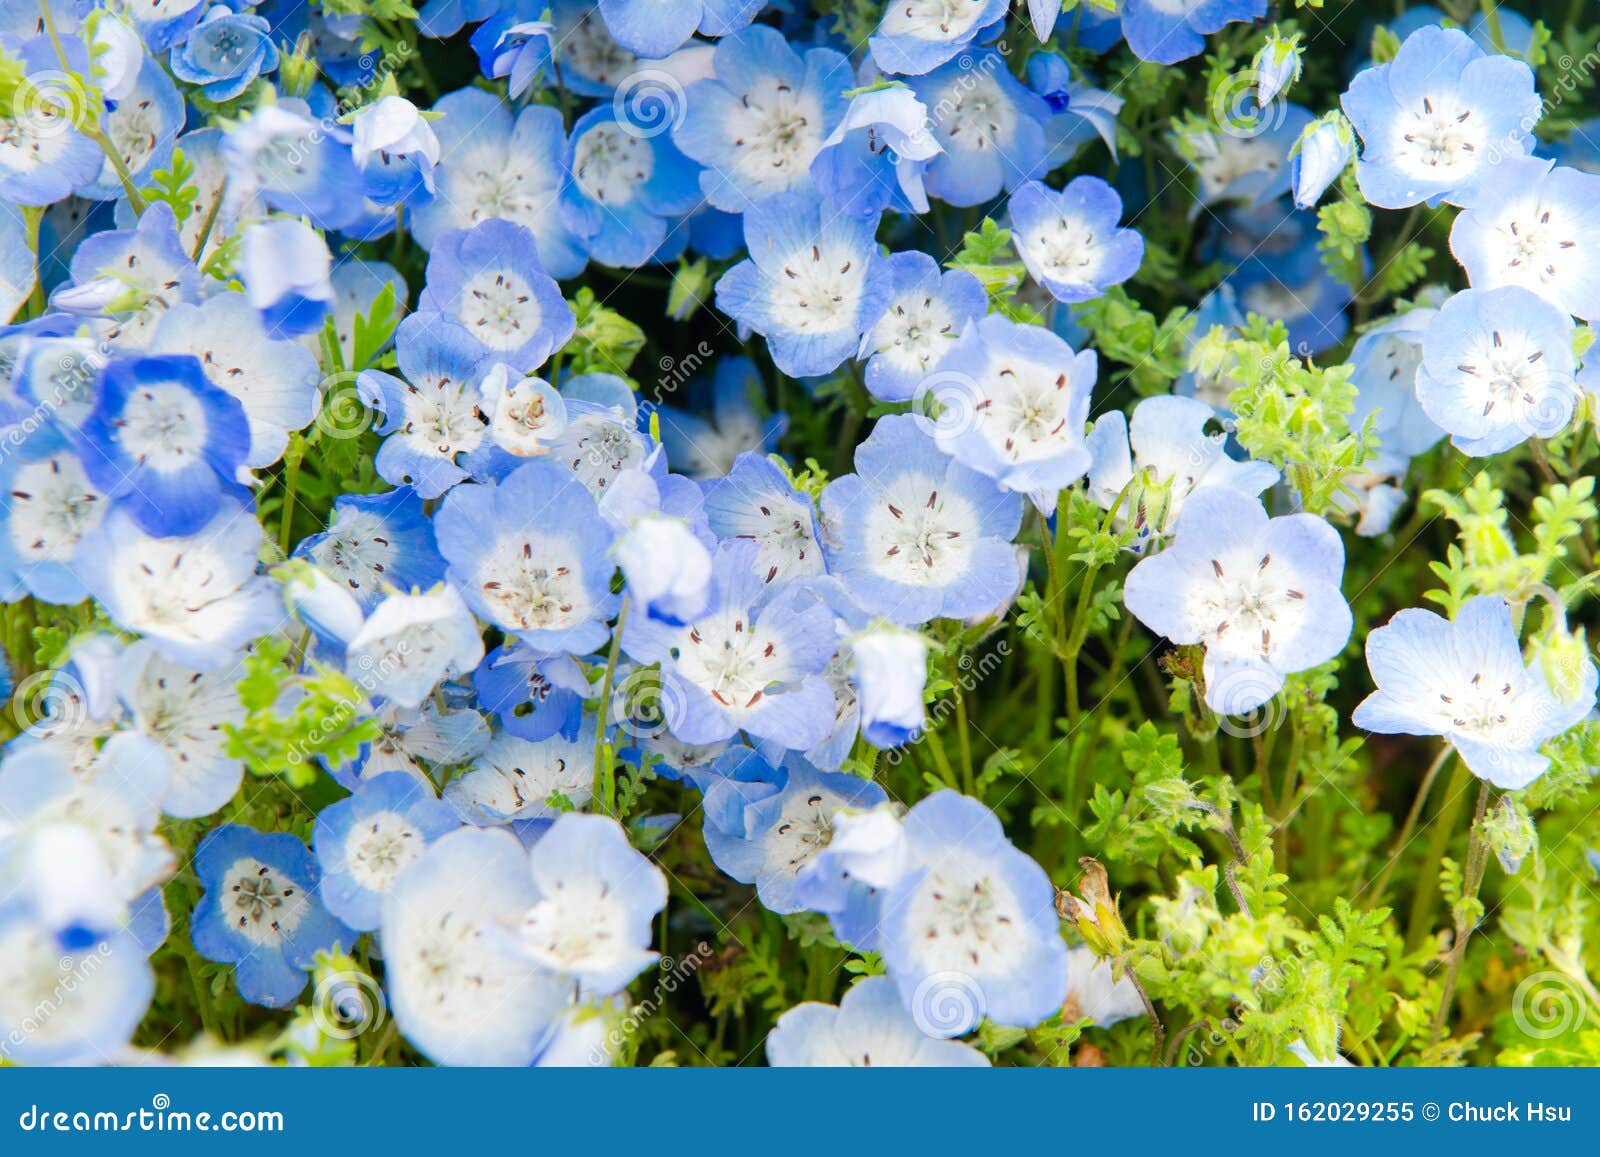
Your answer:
<point x="1070" y="240"/>
<point x="261" y="911"/>
<point x="991" y="128"/>
<point x="164" y="442"/>
<point x="374" y="542"/>
<point x="1165" y="32"/>
<point x="225" y="53"/>
<point x="877" y="154"/>
<point x="624" y="182"/>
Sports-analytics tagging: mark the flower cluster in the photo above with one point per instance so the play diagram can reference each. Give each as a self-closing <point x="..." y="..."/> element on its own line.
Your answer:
<point x="800" y="484"/>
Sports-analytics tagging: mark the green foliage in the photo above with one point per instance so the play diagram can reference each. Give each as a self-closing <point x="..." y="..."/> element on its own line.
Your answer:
<point x="605" y="341"/>
<point x="1289" y="411"/>
<point x="293" y="721"/>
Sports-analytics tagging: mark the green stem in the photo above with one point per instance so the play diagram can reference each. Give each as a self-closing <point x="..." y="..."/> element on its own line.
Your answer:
<point x="1471" y="882"/>
<point x="604" y="785"/>
<point x="291" y="482"/>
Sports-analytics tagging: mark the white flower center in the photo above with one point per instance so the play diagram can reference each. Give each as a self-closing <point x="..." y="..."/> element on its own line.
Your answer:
<point x="920" y="536"/>
<point x="52" y="507"/>
<point x="356" y="551"/>
<point x="916" y="330"/>
<point x="1439" y="138"/>
<point x="534" y="583"/>
<point x="498" y="307"/>
<point x="1508" y="374"/>
<point x="1066" y="250"/>
<point x="962" y="917"/>
<point x="1249" y="606"/>
<point x="1026" y="411"/>
<point x="377" y="850"/>
<point x="776" y="133"/>
<point x="164" y="427"/>
<point x="733" y="660"/>
<point x="611" y="164"/>
<point x="261" y="905"/>
<point x="442" y="420"/>
<point x="931" y="19"/>
<point x="975" y="113"/>
<point x="819" y="291"/>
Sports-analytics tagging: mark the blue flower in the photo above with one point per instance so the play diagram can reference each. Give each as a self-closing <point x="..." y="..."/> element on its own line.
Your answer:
<point x="365" y="841"/>
<point x="132" y="274"/>
<point x="1261" y="594"/>
<point x="431" y="414"/>
<point x="1015" y="401"/>
<point x="162" y="27"/>
<point x="624" y="181"/>
<point x="261" y="911"/>
<point x="876" y="155"/>
<point x="1322" y="153"/>
<point x="285" y="266"/>
<point x="285" y="158"/>
<point x="990" y="127"/>
<point x="489" y="281"/>
<point x="534" y="694"/>
<point x="917" y="535"/>
<point x="396" y="150"/>
<point x="457" y="990"/>
<point x="530" y="556"/>
<point x="1281" y="275"/>
<point x="657" y="28"/>
<point x="870" y="1028"/>
<point x="1436" y="116"/>
<point x="1170" y="452"/>
<point x="164" y="442"/>
<point x="753" y="663"/>
<point x="197" y="599"/>
<point x="1466" y="681"/>
<point x="595" y="900"/>
<point x="184" y="715"/>
<point x="756" y="502"/>
<point x="51" y="505"/>
<point x="517" y="51"/>
<point x="410" y="741"/>
<point x="927" y="312"/>
<point x="275" y="380"/>
<point x="663" y="544"/>
<point x="1165" y="32"/>
<point x="1498" y="369"/>
<point x="1069" y="240"/>
<point x="1079" y="112"/>
<point x="891" y="673"/>
<point x="493" y="167"/>
<point x="866" y="854"/>
<point x="1531" y="224"/>
<point x="410" y="643"/>
<point x="813" y="283"/>
<point x="601" y="439"/>
<point x="759" y="122"/>
<point x="708" y="447"/>
<point x="764" y="824"/>
<point x="374" y="542"/>
<point x="971" y="932"/>
<point x="224" y="53"/>
<point x="917" y="36"/>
